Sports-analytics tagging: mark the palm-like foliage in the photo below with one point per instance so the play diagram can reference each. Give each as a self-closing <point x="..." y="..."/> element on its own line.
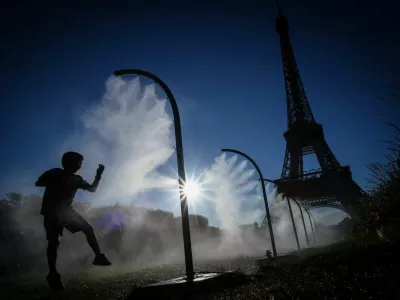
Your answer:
<point x="382" y="208"/>
<point x="384" y="175"/>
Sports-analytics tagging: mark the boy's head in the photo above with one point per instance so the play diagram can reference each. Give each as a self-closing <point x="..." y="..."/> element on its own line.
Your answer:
<point x="72" y="161"/>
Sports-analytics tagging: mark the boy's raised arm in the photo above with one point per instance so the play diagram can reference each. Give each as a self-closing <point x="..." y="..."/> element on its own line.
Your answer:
<point x="84" y="185"/>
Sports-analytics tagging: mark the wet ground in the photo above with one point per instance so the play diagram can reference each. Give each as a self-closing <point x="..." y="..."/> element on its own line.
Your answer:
<point x="115" y="282"/>
<point x="349" y="270"/>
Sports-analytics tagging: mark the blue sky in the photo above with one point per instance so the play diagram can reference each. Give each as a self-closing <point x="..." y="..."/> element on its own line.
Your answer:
<point x="221" y="60"/>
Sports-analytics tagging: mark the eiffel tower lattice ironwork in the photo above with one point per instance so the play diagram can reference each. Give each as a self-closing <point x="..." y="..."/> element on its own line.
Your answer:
<point x="330" y="186"/>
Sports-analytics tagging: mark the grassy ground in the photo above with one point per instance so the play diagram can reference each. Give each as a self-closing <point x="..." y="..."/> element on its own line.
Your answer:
<point x="105" y="282"/>
<point x="349" y="270"/>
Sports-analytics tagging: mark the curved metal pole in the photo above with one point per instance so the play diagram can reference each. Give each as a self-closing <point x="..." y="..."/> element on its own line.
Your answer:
<point x="302" y="219"/>
<point x="315" y="223"/>
<point x="294" y="225"/>
<point x="290" y="211"/>
<point x="181" y="166"/>
<point x="271" y="233"/>
<point x="309" y="216"/>
<point x="312" y="228"/>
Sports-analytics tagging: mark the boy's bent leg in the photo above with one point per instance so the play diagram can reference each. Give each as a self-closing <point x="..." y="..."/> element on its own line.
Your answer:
<point x="92" y="239"/>
<point x="100" y="259"/>
<point x="77" y="223"/>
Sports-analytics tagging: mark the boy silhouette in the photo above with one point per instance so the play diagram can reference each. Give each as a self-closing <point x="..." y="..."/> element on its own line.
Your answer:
<point x="61" y="186"/>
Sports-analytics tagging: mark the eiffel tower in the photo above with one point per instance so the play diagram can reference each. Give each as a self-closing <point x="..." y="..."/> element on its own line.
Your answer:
<point x="331" y="185"/>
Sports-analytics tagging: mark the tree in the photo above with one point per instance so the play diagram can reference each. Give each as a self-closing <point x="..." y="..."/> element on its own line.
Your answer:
<point x="14" y="199"/>
<point x="381" y="210"/>
<point x="198" y="221"/>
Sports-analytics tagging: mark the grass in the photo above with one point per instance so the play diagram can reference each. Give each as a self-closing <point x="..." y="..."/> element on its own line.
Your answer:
<point x="105" y="283"/>
<point x="347" y="270"/>
<point x="92" y="283"/>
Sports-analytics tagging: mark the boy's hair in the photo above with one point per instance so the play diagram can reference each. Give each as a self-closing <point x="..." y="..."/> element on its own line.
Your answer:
<point x="70" y="158"/>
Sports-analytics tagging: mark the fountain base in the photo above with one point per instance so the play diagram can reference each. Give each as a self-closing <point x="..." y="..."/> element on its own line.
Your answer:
<point x="181" y="287"/>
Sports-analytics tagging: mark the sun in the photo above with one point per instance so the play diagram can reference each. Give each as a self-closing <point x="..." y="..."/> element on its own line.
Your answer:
<point x="191" y="190"/>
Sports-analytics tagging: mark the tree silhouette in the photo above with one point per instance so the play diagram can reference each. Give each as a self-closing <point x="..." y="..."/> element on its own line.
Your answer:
<point x="14" y="199"/>
<point x="381" y="210"/>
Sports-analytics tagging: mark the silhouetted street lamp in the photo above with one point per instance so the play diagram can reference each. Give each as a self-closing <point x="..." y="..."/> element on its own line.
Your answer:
<point x="181" y="166"/>
<point x="312" y="228"/>
<point x="290" y="211"/>
<point x="271" y="233"/>
<point x="302" y="219"/>
<point x="315" y="223"/>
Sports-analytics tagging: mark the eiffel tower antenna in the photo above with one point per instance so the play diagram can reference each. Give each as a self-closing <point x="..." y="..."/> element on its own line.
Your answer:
<point x="279" y="8"/>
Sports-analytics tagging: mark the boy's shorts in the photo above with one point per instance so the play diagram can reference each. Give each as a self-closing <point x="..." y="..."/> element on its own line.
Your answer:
<point x="70" y="219"/>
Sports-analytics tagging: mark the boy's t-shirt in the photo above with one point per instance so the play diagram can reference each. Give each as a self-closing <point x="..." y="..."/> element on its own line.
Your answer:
<point x="61" y="188"/>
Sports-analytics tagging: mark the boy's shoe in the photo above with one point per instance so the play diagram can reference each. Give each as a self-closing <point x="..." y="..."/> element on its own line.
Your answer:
<point x="55" y="283"/>
<point x="101" y="260"/>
